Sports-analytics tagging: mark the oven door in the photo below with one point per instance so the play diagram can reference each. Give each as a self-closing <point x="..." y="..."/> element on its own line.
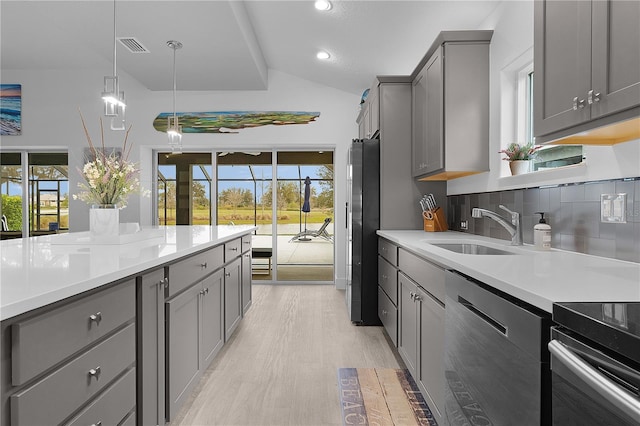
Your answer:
<point x="590" y="388"/>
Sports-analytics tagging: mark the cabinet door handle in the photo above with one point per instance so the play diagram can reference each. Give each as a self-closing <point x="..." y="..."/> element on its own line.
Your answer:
<point x="203" y="265"/>
<point x="227" y="274"/>
<point x="384" y="312"/>
<point x="164" y="282"/>
<point x="95" y="372"/>
<point x="412" y="295"/>
<point x="578" y="103"/>
<point x="384" y="277"/>
<point x="206" y="290"/>
<point x="97" y="317"/>
<point x="417" y="297"/>
<point x="201" y="292"/>
<point x="593" y="97"/>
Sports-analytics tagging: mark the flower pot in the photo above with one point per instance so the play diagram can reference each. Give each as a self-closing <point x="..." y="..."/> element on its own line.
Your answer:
<point x="520" y="167"/>
<point x="104" y="220"/>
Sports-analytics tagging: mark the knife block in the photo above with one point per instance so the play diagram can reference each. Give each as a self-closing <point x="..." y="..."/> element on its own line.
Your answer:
<point x="434" y="220"/>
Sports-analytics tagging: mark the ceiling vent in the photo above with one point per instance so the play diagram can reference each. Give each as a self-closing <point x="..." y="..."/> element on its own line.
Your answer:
<point x="133" y="45"/>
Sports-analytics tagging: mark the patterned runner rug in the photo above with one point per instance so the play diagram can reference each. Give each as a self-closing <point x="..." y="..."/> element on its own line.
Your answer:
<point x="381" y="396"/>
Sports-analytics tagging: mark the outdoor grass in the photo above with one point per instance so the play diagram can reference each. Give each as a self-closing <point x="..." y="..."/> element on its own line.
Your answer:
<point x="246" y="217"/>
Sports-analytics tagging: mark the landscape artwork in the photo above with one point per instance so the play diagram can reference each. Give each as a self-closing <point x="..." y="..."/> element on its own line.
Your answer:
<point x="233" y="121"/>
<point x="10" y="109"/>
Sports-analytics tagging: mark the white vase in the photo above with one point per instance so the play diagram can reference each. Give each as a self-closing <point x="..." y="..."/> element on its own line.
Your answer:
<point x="520" y="167"/>
<point x="104" y="220"/>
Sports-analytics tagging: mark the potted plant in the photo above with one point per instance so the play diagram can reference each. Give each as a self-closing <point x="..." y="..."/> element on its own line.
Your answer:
<point x="520" y="157"/>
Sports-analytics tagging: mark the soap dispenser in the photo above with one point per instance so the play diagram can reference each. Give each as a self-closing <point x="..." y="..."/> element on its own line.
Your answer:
<point x="542" y="234"/>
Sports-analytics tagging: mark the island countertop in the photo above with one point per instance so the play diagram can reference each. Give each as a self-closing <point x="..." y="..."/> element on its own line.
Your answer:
<point x="540" y="278"/>
<point x="38" y="271"/>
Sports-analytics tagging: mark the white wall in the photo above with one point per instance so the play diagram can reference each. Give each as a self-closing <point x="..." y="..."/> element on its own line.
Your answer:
<point x="511" y="47"/>
<point x="50" y="120"/>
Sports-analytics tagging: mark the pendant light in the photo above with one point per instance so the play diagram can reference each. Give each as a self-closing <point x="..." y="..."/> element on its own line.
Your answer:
<point x="114" y="105"/>
<point x="174" y="129"/>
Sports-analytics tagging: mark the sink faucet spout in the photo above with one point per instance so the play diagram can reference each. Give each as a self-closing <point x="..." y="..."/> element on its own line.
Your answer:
<point x="514" y="228"/>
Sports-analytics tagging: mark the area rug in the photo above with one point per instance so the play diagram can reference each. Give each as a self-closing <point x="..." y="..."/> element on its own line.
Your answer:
<point x="381" y="396"/>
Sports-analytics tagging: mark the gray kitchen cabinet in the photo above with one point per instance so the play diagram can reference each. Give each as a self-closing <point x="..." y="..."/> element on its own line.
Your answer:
<point x="151" y="347"/>
<point x="183" y="344"/>
<point x="194" y="336"/>
<point x="421" y="313"/>
<point x="232" y="297"/>
<point x="68" y="357"/>
<point x="586" y="65"/>
<point x="427" y="112"/>
<point x="408" y="314"/>
<point x="369" y="118"/>
<point x="246" y="282"/>
<point x="450" y="107"/>
<point x="212" y="322"/>
<point x="388" y="288"/>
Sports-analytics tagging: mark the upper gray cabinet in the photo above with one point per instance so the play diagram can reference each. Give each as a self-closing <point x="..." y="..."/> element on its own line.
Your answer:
<point x="450" y="107"/>
<point x="369" y="117"/>
<point x="586" y="68"/>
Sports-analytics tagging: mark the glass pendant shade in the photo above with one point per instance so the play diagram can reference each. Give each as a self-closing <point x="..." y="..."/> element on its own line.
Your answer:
<point x="174" y="129"/>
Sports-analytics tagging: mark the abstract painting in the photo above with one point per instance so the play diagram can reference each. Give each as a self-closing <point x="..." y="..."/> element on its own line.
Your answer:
<point x="10" y="109"/>
<point x="233" y="121"/>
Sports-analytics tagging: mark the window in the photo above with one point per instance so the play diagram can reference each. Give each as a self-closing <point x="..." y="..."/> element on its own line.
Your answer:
<point x="550" y="156"/>
<point x="47" y="202"/>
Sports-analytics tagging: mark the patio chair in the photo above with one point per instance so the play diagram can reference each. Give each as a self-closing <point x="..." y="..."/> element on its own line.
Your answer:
<point x="321" y="233"/>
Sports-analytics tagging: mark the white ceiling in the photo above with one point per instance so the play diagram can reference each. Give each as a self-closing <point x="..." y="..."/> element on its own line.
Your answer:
<point x="231" y="45"/>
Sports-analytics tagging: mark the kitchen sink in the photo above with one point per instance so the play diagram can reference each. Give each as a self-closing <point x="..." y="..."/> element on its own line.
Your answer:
<point x="471" y="248"/>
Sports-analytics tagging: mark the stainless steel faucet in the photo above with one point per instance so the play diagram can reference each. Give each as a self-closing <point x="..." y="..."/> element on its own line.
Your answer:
<point x="514" y="228"/>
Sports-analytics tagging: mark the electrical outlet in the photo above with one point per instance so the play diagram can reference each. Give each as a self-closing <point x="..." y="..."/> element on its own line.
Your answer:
<point x="464" y="225"/>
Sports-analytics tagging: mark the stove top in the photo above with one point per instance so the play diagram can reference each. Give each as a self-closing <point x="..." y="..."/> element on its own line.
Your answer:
<point x="615" y="326"/>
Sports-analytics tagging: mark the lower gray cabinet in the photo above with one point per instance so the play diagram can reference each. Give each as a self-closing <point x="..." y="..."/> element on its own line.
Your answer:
<point x="232" y="297"/>
<point x="194" y="337"/>
<point x="183" y="342"/>
<point x="421" y="340"/>
<point x="408" y="323"/>
<point x="246" y="282"/>
<point x="150" y="352"/>
<point x="212" y="323"/>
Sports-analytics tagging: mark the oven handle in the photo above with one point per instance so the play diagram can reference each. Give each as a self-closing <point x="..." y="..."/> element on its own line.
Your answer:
<point x="609" y="390"/>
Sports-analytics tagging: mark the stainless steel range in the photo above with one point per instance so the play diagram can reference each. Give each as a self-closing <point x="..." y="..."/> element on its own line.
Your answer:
<point x="595" y="364"/>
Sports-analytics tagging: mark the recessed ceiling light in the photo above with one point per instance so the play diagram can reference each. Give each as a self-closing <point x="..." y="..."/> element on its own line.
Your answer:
<point x="323" y="55"/>
<point x="323" y="5"/>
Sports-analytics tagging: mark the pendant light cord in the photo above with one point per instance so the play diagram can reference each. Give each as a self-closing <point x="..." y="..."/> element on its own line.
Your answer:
<point x="114" y="39"/>
<point x="174" y="84"/>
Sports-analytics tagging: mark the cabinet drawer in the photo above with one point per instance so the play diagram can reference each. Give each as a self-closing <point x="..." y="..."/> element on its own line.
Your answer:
<point x="194" y="268"/>
<point x="66" y="330"/>
<point x="388" y="250"/>
<point x="388" y="279"/>
<point x="426" y="274"/>
<point x="57" y="395"/>
<point x="246" y="243"/>
<point x="112" y="406"/>
<point x="388" y="314"/>
<point x="232" y="249"/>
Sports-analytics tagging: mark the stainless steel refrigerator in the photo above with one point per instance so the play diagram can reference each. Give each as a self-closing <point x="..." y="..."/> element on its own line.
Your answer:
<point x="363" y="220"/>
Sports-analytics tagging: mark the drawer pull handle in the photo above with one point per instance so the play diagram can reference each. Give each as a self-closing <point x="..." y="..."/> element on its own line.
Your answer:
<point x="203" y="265"/>
<point x="97" y="424"/>
<point x="384" y="312"/>
<point x="234" y="249"/>
<point x="97" y="317"/>
<point x="206" y="290"/>
<point x="201" y="292"/>
<point x="384" y="277"/>
<point x="246" y="242"/>
<point x="95" y="372"/>
<point x="227" y="274"/>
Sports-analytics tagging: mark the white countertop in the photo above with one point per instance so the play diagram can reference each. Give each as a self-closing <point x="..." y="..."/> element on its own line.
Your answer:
<point x="38" y="271"/>
<point x="537" y="277"/>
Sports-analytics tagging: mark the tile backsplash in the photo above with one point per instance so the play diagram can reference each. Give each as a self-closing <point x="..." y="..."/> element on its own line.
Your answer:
<point x="572" y="210"/>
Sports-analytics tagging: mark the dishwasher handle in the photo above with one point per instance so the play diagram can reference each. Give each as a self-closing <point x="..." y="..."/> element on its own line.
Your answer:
<point x="609" y="390"/>
<point x="483" y="316"/>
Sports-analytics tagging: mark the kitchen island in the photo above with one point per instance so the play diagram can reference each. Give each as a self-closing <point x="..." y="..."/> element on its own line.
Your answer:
<point x="116" y="333"/>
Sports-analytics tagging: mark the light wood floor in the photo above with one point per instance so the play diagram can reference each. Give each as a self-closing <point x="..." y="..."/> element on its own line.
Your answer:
<point x="280" y="366"/>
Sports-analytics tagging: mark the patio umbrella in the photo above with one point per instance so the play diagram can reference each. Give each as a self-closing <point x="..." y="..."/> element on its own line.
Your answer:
<point x="306" y="207"/>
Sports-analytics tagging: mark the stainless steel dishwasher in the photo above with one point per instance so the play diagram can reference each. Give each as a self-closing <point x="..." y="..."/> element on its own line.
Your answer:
<point x="496" y="360"/>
